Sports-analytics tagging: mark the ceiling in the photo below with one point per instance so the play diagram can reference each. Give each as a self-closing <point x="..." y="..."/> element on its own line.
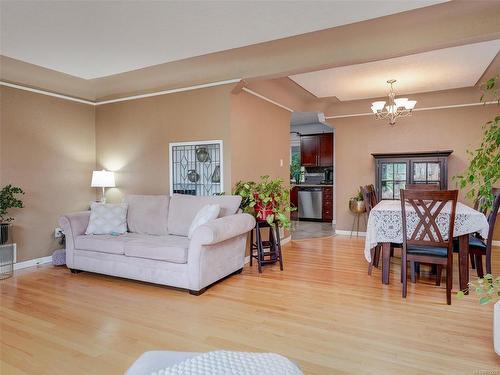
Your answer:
<point x="95" y="39"/>
<point x="442" y="69"/>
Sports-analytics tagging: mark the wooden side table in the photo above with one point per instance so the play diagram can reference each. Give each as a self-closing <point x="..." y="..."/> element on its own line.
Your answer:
<point x="259" y="247"/>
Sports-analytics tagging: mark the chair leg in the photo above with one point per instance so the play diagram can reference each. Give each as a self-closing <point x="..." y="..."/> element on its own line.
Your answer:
<point x="439" y="271"/>
<point x="413" y="277"/>
<point x="449" y="280"/>
<point x="403" y="272"/>
<point x="479" y="265"/>
<point x="488" y="260"/>
<point x="472" y="261"/>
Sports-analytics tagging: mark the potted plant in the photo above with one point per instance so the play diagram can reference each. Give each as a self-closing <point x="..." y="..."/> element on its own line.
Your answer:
<point x="295" y="170"/>
<point x="487" y="289"/>
<point x="267" y="199"/>
<point x="484" y="167"/>
<point x="8" y="200"/>
<point x="357" y="204"/>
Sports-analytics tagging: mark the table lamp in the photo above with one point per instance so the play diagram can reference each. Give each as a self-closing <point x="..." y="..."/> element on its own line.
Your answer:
<point x="103" y="179"/>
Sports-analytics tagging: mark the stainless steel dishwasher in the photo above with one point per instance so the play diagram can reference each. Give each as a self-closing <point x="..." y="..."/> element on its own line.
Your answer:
<point x="310" y="203"/>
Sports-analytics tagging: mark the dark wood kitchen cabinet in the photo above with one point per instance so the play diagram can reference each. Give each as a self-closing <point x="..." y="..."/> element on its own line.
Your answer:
<point x="326" y="150"/>
<point x="327" y="214"/>
<point x="309" y="149"/>
<point x="316" y="150"/>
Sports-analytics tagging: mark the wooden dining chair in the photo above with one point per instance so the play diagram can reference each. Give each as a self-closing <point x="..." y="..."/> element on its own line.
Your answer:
<point x="426" y="243"/>
<point x="479" y="246"/>
<point x="370" y="199"/>
<point x="422" y="187"/>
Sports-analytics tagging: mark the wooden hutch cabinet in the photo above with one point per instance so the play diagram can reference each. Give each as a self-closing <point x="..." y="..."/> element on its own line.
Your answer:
<point x="394" y="170"/>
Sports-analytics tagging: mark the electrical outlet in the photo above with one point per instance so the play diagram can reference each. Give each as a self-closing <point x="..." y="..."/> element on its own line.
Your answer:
<point x="58" y="233"/>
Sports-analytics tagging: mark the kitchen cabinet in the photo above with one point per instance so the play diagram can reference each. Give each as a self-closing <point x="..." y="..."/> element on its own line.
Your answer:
<point x="309" y="149"/>
<point x="322" y="210"/>
<point x="327" y="214"/>
<point x="316" y="150"/>
<point x="395" y="170"/>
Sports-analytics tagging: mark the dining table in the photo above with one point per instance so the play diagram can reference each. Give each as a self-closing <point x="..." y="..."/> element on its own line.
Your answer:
<point x="384" y="227"/>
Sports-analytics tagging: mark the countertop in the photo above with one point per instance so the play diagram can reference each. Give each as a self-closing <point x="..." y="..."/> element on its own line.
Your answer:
<point x="312" y="185"/>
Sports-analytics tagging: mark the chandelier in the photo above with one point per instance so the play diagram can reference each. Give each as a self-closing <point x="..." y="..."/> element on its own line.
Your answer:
<point x="396" y="107"/>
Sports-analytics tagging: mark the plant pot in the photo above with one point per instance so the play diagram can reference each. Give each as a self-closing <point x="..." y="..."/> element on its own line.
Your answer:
<point x="262" y="211"/>
<point x="496" y="327"/>
<point x="4" y="233"/>
<point x="357" y="207"/>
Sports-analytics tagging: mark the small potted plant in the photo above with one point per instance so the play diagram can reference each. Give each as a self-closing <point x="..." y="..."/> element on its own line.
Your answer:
<point x="357" y="204"/>
<point x="268" y="200"/>
<point x="487" y="289"/>
<point x="8" y="200"/>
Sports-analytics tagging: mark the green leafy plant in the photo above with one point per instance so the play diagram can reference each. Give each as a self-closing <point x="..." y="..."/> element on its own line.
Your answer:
<point x="358" y="197"/>
<point x="484" y="167"/>
<point x="295" y="171"/>
<point x="268" y="192"/>
<point x="9" y="200"/>
<point x="487" y="289"/>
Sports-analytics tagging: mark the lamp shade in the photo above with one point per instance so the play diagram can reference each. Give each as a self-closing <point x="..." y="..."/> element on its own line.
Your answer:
<point x="103" y="179"/>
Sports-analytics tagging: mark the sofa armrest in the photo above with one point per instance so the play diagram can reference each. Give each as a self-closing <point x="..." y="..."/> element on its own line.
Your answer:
<point x="74" y="224"/>
<point x="224" y="228"/>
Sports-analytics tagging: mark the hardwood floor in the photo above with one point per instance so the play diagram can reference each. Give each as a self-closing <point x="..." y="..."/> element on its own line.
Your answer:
<point x="323" y="312"/>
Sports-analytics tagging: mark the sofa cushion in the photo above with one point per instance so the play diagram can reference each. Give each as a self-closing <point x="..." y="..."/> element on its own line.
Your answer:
<point x="183" y="209"/>
<point x="147" y="214"/>
<point x="107" y="218"/>
<point x="103" y="243"/>
<point x="168" y="248"/>
<point x="207" y="213"/>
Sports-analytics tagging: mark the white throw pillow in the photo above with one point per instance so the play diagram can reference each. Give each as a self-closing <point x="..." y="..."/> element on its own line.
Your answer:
<point x="107" y="218"/>
<point x="206" y="214"/>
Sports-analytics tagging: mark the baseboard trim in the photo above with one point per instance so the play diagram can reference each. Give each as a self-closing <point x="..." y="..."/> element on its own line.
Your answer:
<point x="32" y="262"/>
<point x="348" y="233"/>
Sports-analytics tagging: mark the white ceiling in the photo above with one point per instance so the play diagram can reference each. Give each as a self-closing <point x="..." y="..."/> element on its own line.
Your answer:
<point x="442" y="69"/>
<point x="91" y="39"/>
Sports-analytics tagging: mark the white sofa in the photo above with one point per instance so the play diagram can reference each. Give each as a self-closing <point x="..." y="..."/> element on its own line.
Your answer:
<point x="156" y="248"/>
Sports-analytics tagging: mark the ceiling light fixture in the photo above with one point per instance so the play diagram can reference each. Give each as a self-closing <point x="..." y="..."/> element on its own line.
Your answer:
<point x="396" y="107"/>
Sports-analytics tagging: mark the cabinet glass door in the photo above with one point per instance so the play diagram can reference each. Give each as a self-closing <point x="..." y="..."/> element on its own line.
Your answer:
<point x="427" y="172"/>
<point x="393" y="178"/>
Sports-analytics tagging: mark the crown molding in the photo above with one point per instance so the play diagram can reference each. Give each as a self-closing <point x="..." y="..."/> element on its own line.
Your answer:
<point x="127" y="98"/>
<point x="415" y="110"/>
<point x="48" y="93"/>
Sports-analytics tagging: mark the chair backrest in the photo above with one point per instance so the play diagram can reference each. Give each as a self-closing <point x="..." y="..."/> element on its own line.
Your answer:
<point x="369" y="197"/>
<point x="428" y="205"/>
<point x="492" y="216"/>
<point x="422" y="187"/>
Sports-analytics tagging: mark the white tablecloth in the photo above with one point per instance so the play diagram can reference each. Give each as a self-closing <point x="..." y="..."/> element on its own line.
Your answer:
<point x="385" y="223"/>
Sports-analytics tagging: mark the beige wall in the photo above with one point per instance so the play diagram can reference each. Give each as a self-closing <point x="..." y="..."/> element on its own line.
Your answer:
<point x="47" y="147"/>
<point x="260" y="139"/>
<point x="133" y="137"/>
<point x="357" y="137"/>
